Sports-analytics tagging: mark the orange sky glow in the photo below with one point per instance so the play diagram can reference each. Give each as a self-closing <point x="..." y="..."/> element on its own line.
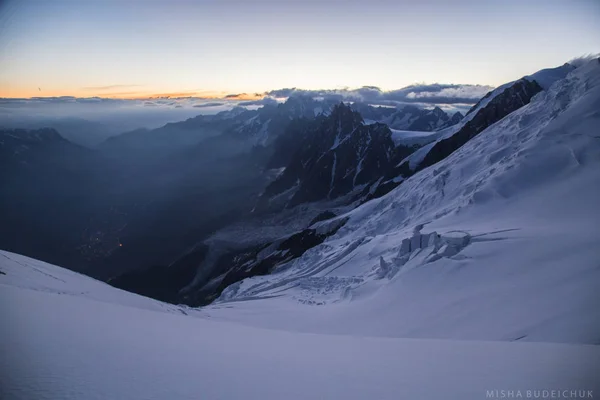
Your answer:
<point x="12" y="92"/>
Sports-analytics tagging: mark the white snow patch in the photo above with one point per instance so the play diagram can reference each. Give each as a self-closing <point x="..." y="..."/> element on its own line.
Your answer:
<point x="332" y="181"/>
<point x="409" y="138"/>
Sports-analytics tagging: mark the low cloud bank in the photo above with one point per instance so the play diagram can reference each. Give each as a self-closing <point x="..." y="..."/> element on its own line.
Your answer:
<point x="119" y="115"/>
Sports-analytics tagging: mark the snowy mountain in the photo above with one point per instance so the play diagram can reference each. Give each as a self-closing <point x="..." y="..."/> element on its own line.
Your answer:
<point x="546" y="77"/>
<point x="273" y="119"/>
<point x="262" y="126"/>
<point x="498" y="241"/>
<point x="249" y="128"/>
<point x="324" y="166"/>
<point x="411" y="118"/>
<point x="253" y="247"/>
<point x="494" y="106"/>
<point x="144" y="197"/>
<point x="512" y="98"/>
<point x="67" y="336"/>
<point x="337" y="156"/>
<point x="407" y="117"/>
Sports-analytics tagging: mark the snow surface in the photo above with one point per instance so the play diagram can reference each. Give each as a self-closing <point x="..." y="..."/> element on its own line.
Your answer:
<point x="546" y="77"/>
<point x="415" y="158"/>
<point x="409" y="138"/>
<point x="66" y="336"/>
<point x="477" y="274"/>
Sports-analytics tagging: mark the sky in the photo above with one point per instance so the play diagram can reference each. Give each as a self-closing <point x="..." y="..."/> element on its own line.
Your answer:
<point x="211" y="48"/>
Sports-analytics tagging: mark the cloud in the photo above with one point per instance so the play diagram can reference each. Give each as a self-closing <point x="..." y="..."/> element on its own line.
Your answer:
<point x="172" y="95"/>
<point x="203" y="105"/>
<point x="245" y="96"/>
<point x="122" y="95"/>
<point x="579" y="61"/>
<point x="261" y="102"/>
<point x="109" y="87"/>
<point x="449" y="97"/>
<point x="419" y="93"/>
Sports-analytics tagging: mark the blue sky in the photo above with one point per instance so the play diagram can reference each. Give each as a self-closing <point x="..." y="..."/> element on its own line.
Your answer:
<point x="136" y="48"/>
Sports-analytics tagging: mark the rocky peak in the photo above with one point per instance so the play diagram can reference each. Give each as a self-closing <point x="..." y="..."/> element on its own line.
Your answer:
<point x="302" y="106"/>
<point x="438" y="112"/>
<point x="456" y="118"/>
<point x="412" y="118"/>
<point x="450" y="121"/>
<point x="344" y="113"/>
<point x="342" y="122"/>
<point x="338" y="155"/>
<point x="371" y="112"/>
<point x="429" y="120"/>
<point x="271" y="121"/>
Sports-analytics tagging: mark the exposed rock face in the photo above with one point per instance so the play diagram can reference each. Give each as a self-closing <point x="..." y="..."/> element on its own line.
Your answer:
<point x="455" y="119"/>
<point x="335" y="157"/>
<point x="408" y="117"/>
<point x="319" y="155"/>
<point x="412" y="118"/>
<point x="373" y="113"/>
<point x="325" y="215"/>
<point x="430" y="120"/>
<point x="246" y="127"/>
<point x="511" y="99"/>
<point x="294" y="137"/>
<point x="487" y="112"/>
<point x="272" y="120"/>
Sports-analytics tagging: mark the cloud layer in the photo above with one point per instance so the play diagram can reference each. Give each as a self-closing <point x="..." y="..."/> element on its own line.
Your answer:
<point x="420" y="93"/>
<point x="109" y="87"/>
<point x="449" y="97"/>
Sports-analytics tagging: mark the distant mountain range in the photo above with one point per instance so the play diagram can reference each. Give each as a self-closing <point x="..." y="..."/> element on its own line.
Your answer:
<point x="152" y="206"/>
<point x="336" y="159"/>
<point x="168" y="187"/>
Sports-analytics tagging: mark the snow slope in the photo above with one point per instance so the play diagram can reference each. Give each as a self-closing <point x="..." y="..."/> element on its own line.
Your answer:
<point x="517" y="258"/>
<point x="409" y="138"/>
<point x="545" y="78"/>
<point x="66" y="336"/>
